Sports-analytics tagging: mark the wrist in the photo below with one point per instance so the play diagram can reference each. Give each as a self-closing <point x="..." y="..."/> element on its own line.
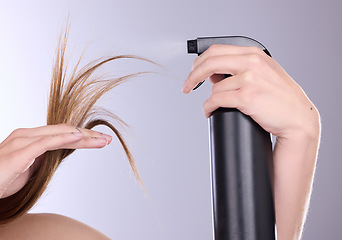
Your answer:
<point x="306" y="131"/>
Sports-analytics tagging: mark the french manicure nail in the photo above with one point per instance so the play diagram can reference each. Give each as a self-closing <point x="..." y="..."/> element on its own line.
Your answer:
<point x="108" y="137"/>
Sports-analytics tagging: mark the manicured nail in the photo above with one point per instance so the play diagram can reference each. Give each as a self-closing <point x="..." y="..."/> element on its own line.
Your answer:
<point x="109" y="140"/>
<point x="108" y="137"/>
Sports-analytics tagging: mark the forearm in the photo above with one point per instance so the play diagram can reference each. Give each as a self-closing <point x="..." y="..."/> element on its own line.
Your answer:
<point x="294" y="166"/>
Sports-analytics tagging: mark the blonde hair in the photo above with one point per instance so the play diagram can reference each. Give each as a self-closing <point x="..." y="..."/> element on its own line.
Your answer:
<point x="71" y="101"/>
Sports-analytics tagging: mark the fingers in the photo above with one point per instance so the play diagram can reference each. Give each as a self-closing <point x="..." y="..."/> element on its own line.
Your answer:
<point x="94" y="134"/>
<point x="62" y="128"/>
<point x="222" y="59"/>
<point x="227" y="84"/>
<point x="245" y="64"/>
<point x="20" y="160"/>
<point x="227" y="99"/>
<point x="87" y="143"/>
<point x="19" y="152"/>
<point x="62" y="141"/>
<point x="219" y="50"/>
<point x="16" y="163"/>
<point x="53" y="130"/>
<point x="47" y="143"/>
<point x="83" y="143"/>
<point x="212" y="65"/>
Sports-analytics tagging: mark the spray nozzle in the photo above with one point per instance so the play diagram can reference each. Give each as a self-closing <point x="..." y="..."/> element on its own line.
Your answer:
<point x="192" y="46"/>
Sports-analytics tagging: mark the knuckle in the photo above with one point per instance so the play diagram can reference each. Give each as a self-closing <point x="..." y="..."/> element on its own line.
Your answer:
<point x="210" y="52"/>
<point x="214" y="48"/>
<point x="47" y="143"/>
<point x="215" y="88"/>
<point x="245" y="96"/>
<point x="214" y="99"/>
<point x="257" y="50"/>
<point x="204" y="109"/>
<point x="248" y="78"/>
<point x="17" y="132"/>
<point x="196" y="62"/>
<point x="206" y="105"/>
<point x="256" y="60"/>
<point x="209" y="62"/>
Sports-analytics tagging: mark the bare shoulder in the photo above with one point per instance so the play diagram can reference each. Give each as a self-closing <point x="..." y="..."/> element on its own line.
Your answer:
<point x="48" y="227"/>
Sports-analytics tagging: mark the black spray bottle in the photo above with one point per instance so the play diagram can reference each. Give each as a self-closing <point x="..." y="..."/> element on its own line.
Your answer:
<point x="241" y="161"/>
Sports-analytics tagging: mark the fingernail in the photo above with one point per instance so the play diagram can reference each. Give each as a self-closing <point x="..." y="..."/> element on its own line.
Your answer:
<point x="108" y="137"/>
<point x="109" y="140"/>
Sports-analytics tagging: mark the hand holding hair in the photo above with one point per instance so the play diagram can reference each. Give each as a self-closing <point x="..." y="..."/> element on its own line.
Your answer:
<point x="260" y="87"/>
<point x="71" y="107"/>
<point x="22" y="151"/>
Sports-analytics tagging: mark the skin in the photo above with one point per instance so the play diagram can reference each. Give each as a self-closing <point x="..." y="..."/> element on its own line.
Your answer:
<point x="20" y="155"/>
<point x="262" y="89"/>
<point x="48" y="226"/>
<point x="22" y="151"/>
<point x="259" y="88"/>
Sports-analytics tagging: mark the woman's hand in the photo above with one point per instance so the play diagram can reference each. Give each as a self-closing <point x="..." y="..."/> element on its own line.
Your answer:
<point x="262" y="89"/>
<point x="259" y="88"/>
<point x="23" y="150"/>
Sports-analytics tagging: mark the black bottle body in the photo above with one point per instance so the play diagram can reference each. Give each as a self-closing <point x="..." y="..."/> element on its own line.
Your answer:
<point x="241" y="165"/>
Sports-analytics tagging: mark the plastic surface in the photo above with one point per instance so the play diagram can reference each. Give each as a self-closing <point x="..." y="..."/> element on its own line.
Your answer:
<point x="241" y="155"/>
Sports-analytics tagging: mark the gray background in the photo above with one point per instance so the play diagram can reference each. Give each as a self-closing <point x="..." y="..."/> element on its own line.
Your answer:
<point x="168" y="133"/>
